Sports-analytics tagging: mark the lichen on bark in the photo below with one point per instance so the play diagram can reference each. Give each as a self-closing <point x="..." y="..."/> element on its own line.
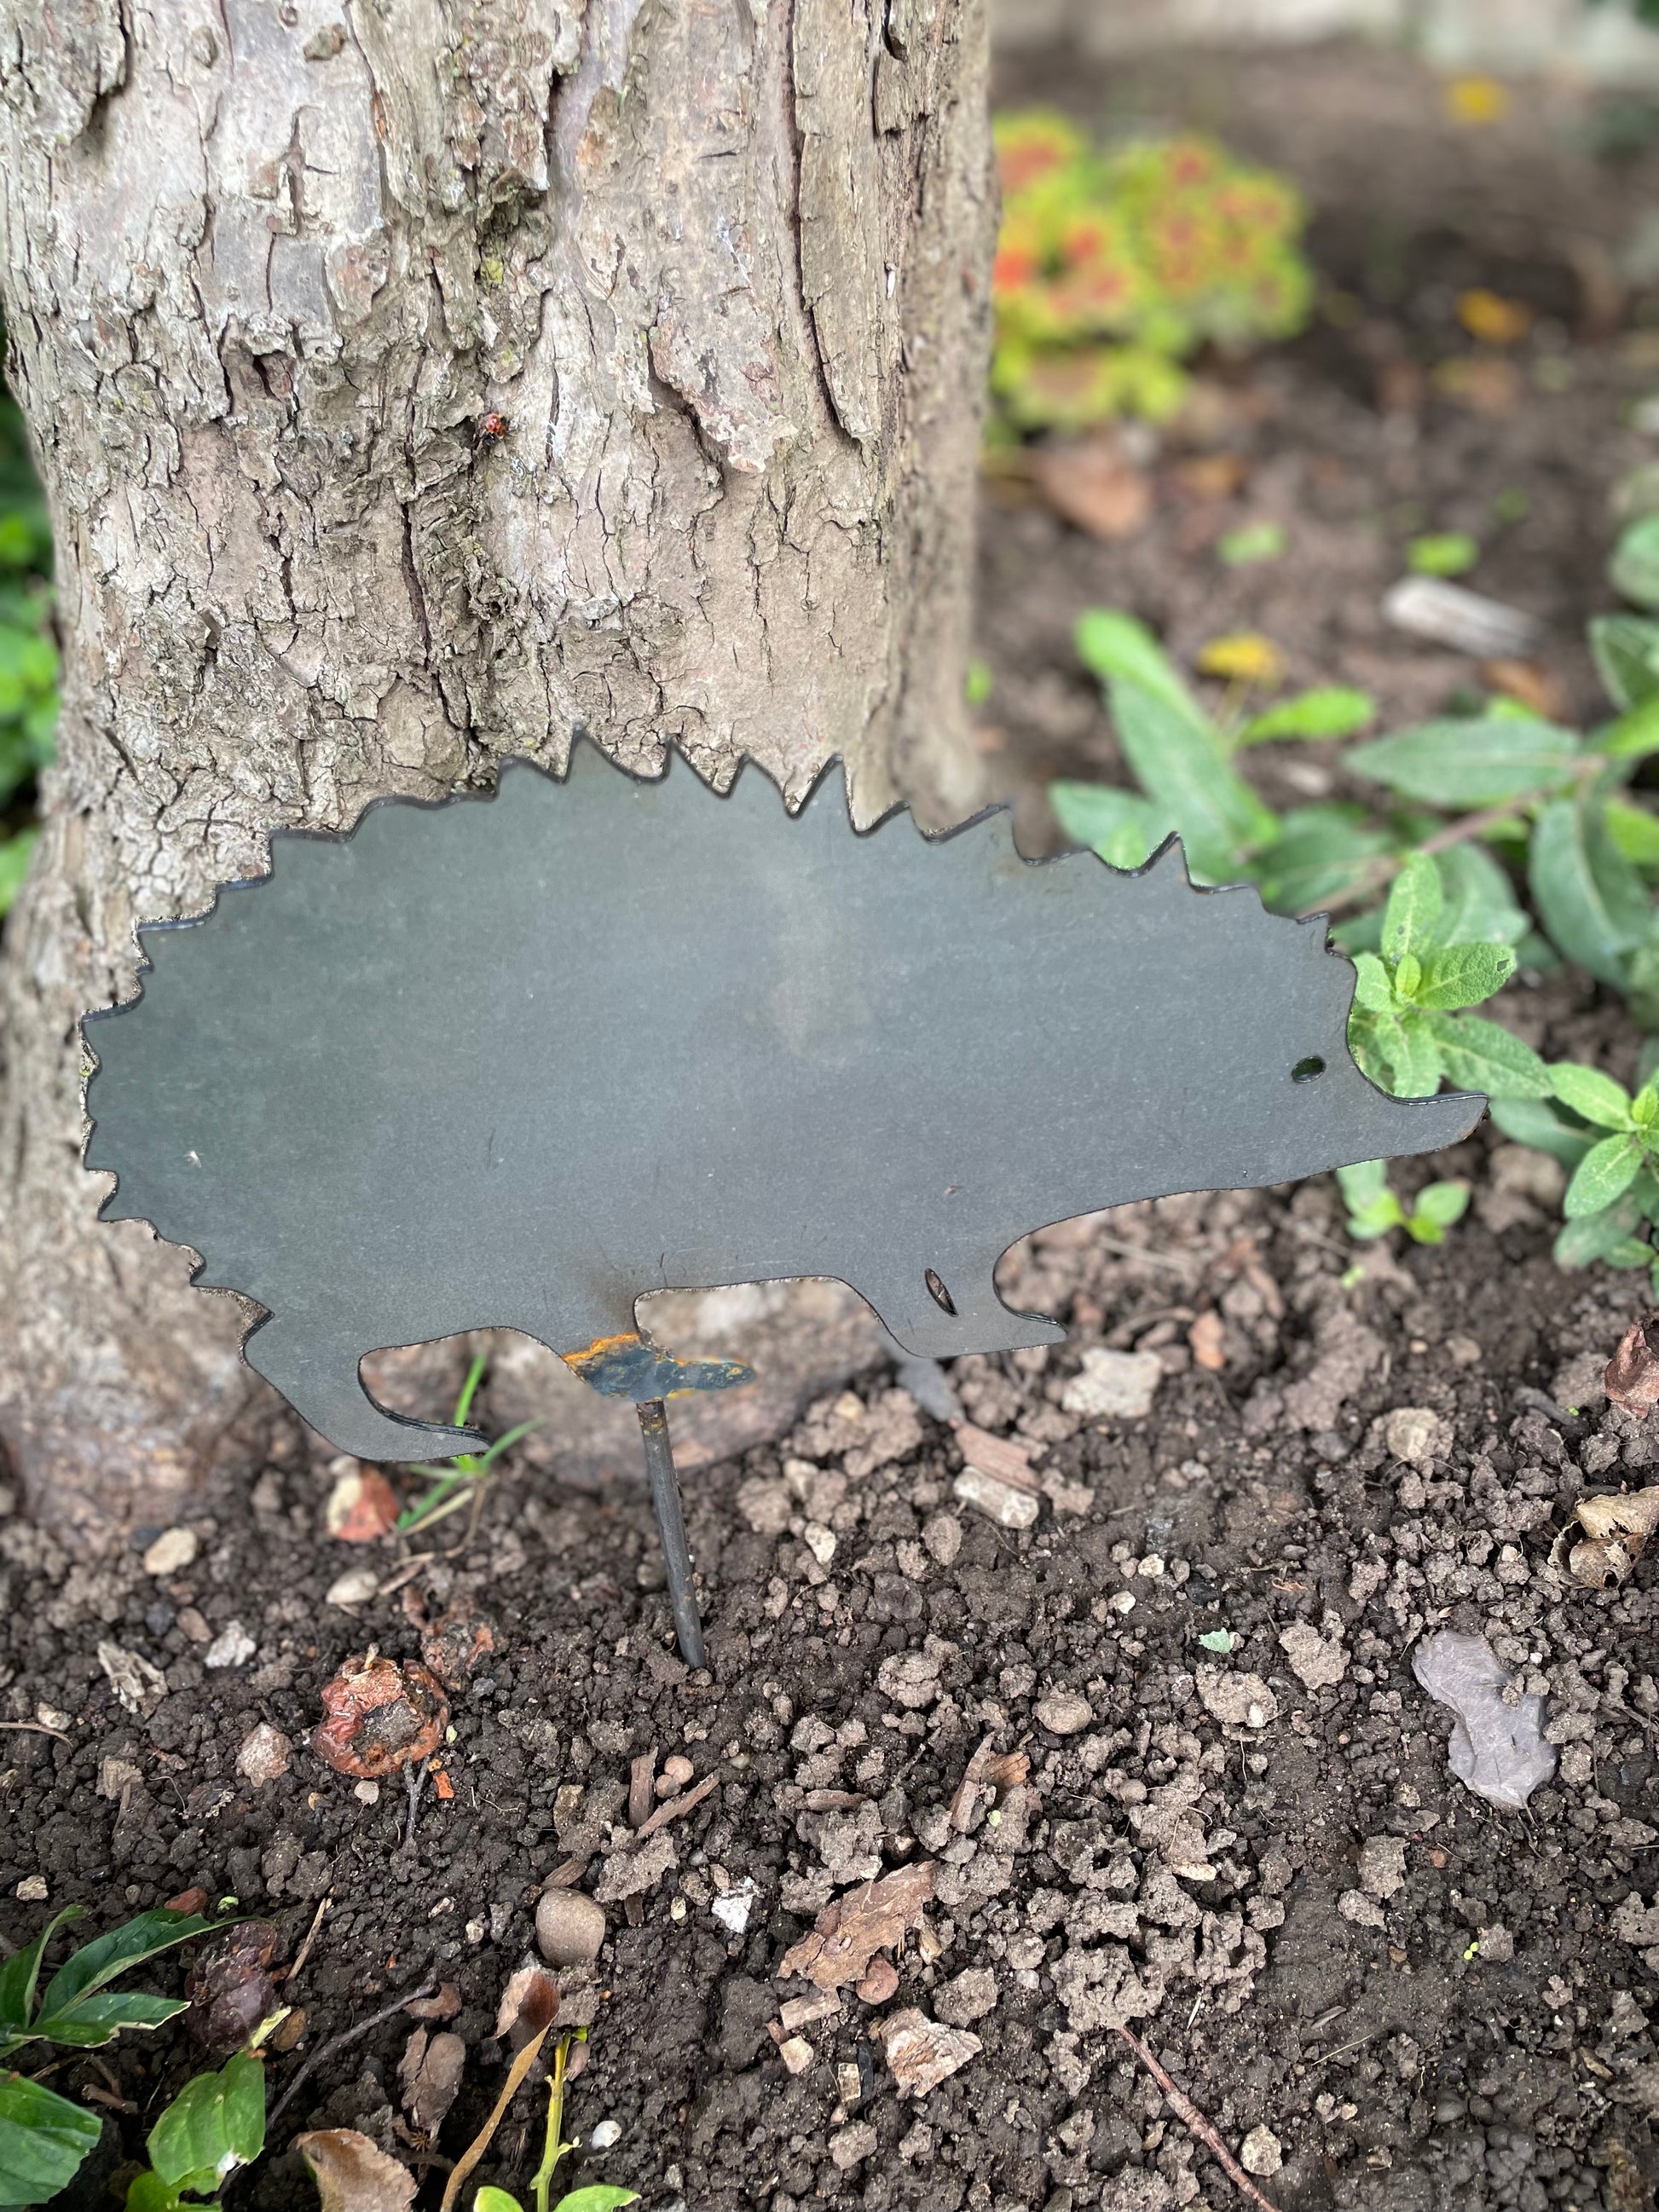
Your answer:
<point x="416" y="382"/>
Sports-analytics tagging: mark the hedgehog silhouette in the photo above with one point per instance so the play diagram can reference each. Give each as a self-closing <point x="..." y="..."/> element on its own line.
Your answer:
<point x="516" y="1059"/>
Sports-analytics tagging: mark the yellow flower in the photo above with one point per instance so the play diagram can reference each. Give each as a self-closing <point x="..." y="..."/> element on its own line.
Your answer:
<point x="1477" y="100"/>
<point x="1246" y="657"/>
<point x="1491" y="320"/>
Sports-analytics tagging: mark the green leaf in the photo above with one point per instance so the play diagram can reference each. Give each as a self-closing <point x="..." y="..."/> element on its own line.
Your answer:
<point x="1481" y="1055"/>
<point x="1588" y="897"/>
<point x="1443" y="553"/>
<point x="1626" y="650"/>
<point x="1407" y="976"/>
<point x="21" y="1972"/>
<point x="597" y="2197"/>
<point x="1598" y="1235"/>
<point x="1634" y="831"/>
<point x="1321" y="852"/>
<point x="1409" y="1046"/>
<point x="216" y="2124"/>
<point x="14" y="865"/>
<point x="1530" y="1121"/>
<point x="1250" y="543"/>
<point x="1371" y="990"/>
<point x="495" y="2200"/>
<point x="1634" y="567"/>
<point x="1333" y="710"/>
<point x="1443" y="1203"/>
<point x="1472" y="763"/>
<point x="1122" y="827"/>
<point x="99" y="1961"/>
<point x="1591" y="1095"/>
<point x="1465" y="975"/>
<point x="1633" y="736"/>
<point x="1363" y="1183"/>
<point x="1218" y="816"/>
<point x="92" y="2021"/>
<point x="43" y="2140"/>
<point x="148" y="2192"/>
<point x="1480" y="905"/>
<point x="1118" y="649"/>
<point x="1415" y="899"/>
<point x="1605" y="1173"/>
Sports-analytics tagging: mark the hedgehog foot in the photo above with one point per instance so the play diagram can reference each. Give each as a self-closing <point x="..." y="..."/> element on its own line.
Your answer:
<point x="323" y="1387"/>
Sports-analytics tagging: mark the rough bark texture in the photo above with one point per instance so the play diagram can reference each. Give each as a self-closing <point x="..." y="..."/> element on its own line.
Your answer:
<point x="415" y="382"/>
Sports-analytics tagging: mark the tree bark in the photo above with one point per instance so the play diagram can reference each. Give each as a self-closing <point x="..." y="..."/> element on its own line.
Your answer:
<point x="415" y="383"/>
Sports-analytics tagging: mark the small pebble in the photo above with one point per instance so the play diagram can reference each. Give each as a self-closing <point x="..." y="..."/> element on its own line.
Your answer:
<point x="171" y="1552"/>
<point x="1416" y="1435"/>
<point x="820" y="1542"/>
<point x="733" y="1907"/>
<point x="1119" y="1384"/>
<point x="942" y="1535"/>
<point x="1063" y="1713"/>
<point x="368" y="1793"/>
<point x="796" y="2053"/>
<point x="569" y="1928"/>
<point x="1121" y="1600"/>
<point x="880" y="1982"/>
<point x="354" y="1587"/>
<point x="32" y="1890"/>
<point x="232" y="1647"/>
<point x="1260" y="2152"/>
<point x="1151" y="1567"/>
<point x="606" y="2136"/>
<point x="998" y="1501"/>
<point x="677" y="1771"/>
<point x="265" y="1754"/>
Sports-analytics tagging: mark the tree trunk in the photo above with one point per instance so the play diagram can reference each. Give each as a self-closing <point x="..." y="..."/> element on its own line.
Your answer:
<point x="414" y="383"/>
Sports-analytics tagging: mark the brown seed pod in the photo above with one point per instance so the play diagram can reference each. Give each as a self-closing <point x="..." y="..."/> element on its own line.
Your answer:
<point x="229" y="1985"/>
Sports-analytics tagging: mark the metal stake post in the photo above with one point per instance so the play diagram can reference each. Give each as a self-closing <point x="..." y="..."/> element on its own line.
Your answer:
<point x="671" y="1527"/>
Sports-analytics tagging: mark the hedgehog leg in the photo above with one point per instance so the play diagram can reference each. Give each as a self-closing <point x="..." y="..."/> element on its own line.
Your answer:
<point x="942" y="1309"/>
<point x="321" y="1381"/>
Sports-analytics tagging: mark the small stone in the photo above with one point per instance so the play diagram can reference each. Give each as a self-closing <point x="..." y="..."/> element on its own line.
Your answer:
<point x="1260" y="2152"/>
<point x="968" y="1996"/>
<point x="1121" y="1384"/>
<point x="998" y="1501"/>
<point x="354" y="1587"/>
<point x="232" y="1647"/>
<point x="265" y="1754"/>
<point x="368" y="1793"/>
<point x="1364" y="1912"/>
<point x="1236" y="1700"/>
<point x="1151" y="1567"/>
<point x="32" y="1890"/>
<point x="733" y="1907"/>
<point x="1063" y="1713"/>
<point x="796" y="2053"/>
<point x="820" y="1542"/>
<point x="942" y="1535"/>
<point x="171" y="1552"/>
<point x="1382" y="1865"/>
<point x="1417" y="1435"/>
<point x="605" y="2136"/>
<point x="1121" y="1600"/>
<point x="677" y="1771"/>
<point x="880" y="1982"/>
<point x="850" y="2146"/>
<point x="1314" y="1660"/>
<point x="569" y="1928"/>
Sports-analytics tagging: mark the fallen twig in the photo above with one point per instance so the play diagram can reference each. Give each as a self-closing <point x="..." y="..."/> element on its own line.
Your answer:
<point x="39" y="1727"/>
<point x="347" y="2036"/>
<point x="414" y="1783"/>
<point x="486" y="2134"/>
<point x="292" y="1975"/>
<point x="675" y="1807"/>
<point x="1187" y="2112"/>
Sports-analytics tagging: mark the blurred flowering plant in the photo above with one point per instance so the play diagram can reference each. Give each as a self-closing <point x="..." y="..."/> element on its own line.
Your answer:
<point x="1113" y="267"/>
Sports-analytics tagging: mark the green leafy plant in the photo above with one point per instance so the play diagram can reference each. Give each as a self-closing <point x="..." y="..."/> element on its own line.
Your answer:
<point x="29" y="659"/>
<point x="214" y="2125"/>
<point x="597" y="2196"/>
<point x="1609" y="1143"/>
<point x="460" y="1482"/>
<point x="1374" y="1209"/>
<point x="1113" y="267"/>
<point x="1443" y="553"/>
<point x="43" y="2137"/>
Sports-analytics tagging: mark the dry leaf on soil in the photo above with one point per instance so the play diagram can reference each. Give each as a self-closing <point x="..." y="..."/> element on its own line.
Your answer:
<point x="875" y="1917"/>
<point x="429" y="2075"/>
<point x="921" y="2053"/>
<point x="1090" y="483"/>
<point x="1632" y="1376"/>
<point x="381" y="1716"/>
<point x="1617" y="1526"/>
<point x="361" y="1507"/>
<point x="352" y="2175"/>
<point x="229" y="1985"/>
<point x="530" y="2003"/>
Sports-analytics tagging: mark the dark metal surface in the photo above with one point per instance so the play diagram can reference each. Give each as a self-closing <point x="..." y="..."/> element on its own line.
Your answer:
<point x="515" y="1061"/>
<point x="671" y="1527"/>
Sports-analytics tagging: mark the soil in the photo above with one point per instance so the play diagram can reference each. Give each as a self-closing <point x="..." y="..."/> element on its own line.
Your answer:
<point x="1424" y="2003"/>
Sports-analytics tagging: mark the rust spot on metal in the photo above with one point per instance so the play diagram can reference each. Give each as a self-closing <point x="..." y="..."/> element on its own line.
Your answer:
<point x="628" y="1366"/>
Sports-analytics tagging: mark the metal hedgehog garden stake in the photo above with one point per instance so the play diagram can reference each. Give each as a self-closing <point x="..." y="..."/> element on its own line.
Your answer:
<point x="513" y="1062"/>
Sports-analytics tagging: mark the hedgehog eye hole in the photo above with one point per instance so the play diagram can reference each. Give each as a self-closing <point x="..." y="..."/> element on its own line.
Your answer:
<point x="936" y="1291"/>
<point x="1305" y="1070"/>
